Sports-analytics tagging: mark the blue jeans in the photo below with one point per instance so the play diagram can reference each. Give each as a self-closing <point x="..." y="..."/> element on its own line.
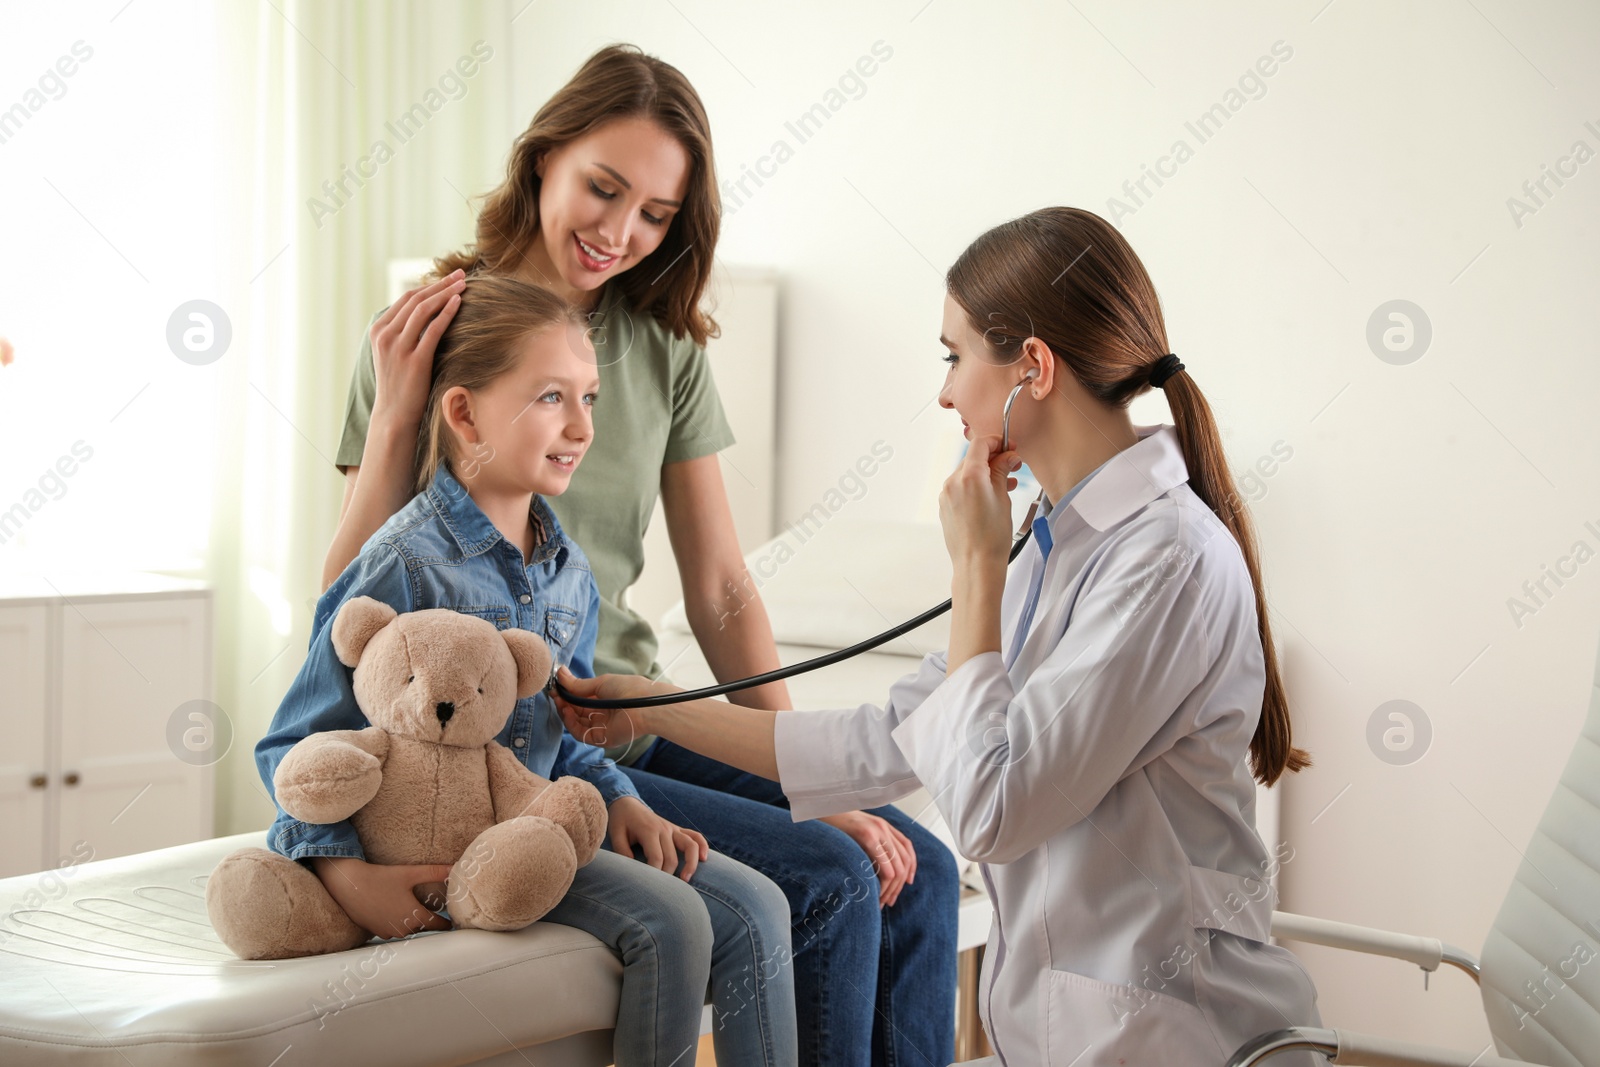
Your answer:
<point x="872" y="986"/>
<point x="673" y="937"/>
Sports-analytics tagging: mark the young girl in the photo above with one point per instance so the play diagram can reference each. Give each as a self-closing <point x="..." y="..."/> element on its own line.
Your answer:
<point x="610" y="200"/>
<point x="508" y="421"/>
<point x="1091" y="732"/>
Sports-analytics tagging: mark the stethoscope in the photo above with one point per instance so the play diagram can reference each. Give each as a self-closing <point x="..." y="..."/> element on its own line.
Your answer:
<point x="1019" y="542"/>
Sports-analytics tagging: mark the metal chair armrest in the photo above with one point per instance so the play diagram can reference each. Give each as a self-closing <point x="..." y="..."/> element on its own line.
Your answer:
<point x="1362" y="1050"/>
<point x="1425" y="952"/>
<point x="1296" y="1038"/>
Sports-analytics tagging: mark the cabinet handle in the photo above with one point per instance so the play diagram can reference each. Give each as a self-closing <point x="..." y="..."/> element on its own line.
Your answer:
<point x="38" y="781"/>
<point x="71" y="778"/>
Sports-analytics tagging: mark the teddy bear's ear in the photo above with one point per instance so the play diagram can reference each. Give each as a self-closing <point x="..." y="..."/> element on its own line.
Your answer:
<point x="358" y="620"/>
<point x="533" y="660"/>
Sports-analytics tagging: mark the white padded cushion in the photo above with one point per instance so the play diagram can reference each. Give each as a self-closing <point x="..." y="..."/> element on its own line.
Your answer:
<point x="1545" y="934"/>
<point x="120" y="966"/>
<point x="842" y="582"/>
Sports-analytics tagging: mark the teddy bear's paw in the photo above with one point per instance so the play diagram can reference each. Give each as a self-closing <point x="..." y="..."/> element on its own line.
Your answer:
<point x="325" y="779"/>
<point x="268" y="907"/>
<point x="577" y="807"/>
<point x="512" y="874"/>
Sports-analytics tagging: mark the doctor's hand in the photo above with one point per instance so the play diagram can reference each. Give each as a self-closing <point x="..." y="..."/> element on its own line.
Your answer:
<point x="633" y="823"/>
<point x="603" y="727"/>
<point x="893" y="856"/>
<point x="974" y="507"/>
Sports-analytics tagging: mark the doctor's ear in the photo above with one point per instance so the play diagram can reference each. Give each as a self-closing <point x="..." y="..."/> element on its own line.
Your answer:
<point x="1040" y="361"/>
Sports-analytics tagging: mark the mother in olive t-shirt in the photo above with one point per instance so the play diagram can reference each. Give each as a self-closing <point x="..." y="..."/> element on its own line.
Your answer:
<point x="610" y="201"/>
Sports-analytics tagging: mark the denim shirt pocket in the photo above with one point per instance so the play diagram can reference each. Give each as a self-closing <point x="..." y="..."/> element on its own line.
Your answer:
<point x="561" y="631"/>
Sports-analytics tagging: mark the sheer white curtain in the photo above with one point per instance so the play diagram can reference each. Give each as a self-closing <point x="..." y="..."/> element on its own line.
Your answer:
<point x="359" y="130"/>
<point x="267" y="157"/>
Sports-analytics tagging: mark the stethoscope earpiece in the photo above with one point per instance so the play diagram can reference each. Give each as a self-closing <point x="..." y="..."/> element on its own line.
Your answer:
<point x="1005" y="416"/>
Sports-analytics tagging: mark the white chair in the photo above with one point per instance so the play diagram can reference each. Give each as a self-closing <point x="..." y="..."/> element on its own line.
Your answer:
<point x="1540" y="971"/>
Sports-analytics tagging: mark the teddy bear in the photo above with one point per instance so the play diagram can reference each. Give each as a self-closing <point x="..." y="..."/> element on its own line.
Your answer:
<point x="425" y="783"/>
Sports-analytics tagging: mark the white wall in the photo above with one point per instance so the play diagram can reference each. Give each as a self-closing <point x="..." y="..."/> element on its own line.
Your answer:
<point x="1376" y="166"/>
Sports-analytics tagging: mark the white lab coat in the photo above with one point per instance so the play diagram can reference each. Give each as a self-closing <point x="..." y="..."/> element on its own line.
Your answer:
<point x="1103" y="783"/>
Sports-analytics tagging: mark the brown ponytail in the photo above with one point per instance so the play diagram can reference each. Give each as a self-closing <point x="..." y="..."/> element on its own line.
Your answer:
<point x="1069" y="278"/>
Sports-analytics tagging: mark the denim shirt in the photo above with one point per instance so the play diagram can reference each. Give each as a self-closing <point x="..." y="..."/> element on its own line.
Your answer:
<point x="441" y="551"/>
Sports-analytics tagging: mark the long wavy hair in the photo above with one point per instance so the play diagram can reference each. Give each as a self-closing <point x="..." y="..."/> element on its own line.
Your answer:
<point x="1102" y="317"/>
<point x="617" y="82"/>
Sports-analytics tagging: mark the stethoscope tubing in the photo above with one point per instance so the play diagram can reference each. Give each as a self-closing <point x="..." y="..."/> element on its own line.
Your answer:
<point x="827" y="660"/>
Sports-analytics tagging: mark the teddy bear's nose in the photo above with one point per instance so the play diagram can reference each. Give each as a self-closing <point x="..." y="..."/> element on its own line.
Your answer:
<point x="444" y="709"/>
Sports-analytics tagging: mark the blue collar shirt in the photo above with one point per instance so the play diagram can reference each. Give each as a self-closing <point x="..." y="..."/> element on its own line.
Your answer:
<point x="1045" y="526"/>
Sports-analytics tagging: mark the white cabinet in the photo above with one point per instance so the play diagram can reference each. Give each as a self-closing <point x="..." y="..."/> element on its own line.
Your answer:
<point x="109" y="734"/>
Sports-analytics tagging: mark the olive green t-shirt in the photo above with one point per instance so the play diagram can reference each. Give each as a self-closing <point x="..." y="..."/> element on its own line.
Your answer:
<point x="657" y="405"/>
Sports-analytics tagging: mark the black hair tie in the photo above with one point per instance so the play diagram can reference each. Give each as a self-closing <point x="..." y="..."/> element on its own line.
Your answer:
<point x="1164" y="368"/>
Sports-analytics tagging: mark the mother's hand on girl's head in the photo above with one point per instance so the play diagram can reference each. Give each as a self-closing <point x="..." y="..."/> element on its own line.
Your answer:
<point x="974" y="507"/>
<point x="403" y="340"/>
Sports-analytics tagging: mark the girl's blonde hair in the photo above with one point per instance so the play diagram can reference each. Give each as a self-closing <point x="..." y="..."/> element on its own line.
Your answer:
<point x="617" y="82"/>
<point x="480" y="344"/>
<point x="1069" y="278"/>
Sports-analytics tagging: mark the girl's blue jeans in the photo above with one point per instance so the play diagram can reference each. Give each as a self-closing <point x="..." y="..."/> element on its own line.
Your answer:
<point x="872" y="986"/>
<point x="673" y="939"/>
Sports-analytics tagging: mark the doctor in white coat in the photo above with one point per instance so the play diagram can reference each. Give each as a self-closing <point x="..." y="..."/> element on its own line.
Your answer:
<point x="1094" y="733"/>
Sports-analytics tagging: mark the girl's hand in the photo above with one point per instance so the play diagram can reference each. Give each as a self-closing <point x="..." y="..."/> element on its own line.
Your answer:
<point x="606" y="728"/>
<point x="380" y="897"/>
<point x="893" y="856"/>
<point x="633" y="823"/>
<point x="973" y="506"/>
<point x="403" y="341"/>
